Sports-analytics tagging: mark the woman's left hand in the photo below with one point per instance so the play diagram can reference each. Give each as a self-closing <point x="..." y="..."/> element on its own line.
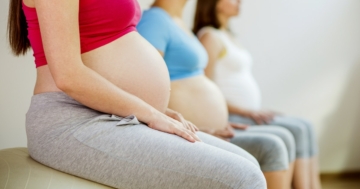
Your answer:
<point x="238" y="126"/>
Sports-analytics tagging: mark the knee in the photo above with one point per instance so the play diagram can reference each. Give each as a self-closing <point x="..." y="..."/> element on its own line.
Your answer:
<point x="311" y="136"/>
<point x="273" y="154"/>
<point x="288" y="140"/>
<point x="301" y="141"/>
<point x="255" y="179"/>
<point x="309" y="128"/>
<point x="299" y="132"/>
<point x="250" y="177"/>
<point x="301" y="137"/>
<point x="250" y="158"/>
<point x="304" y="135"/>
<point x="305" y="122"/>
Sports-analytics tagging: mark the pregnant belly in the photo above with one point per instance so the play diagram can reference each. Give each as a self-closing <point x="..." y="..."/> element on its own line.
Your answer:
<point x="135" y="66"/>
<point x="241" y="91"/>
<point x="199" y="101"/>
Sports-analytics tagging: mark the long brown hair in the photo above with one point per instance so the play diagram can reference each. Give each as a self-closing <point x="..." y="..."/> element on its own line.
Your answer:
<point x="205" y="15"/>
<point x="17" y="29"/>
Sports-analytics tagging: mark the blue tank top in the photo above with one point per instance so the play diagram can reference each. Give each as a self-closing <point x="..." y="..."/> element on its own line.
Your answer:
<point x="184" y="54"/>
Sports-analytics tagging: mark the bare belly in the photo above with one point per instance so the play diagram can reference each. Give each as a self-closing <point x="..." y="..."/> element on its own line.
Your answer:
<point x="130" y="63"/>
<point x="200" y="101"/>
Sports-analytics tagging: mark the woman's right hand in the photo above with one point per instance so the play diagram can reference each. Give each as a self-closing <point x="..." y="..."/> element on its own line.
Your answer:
<point x="164" y="123"/>
<point x="226" y="133"/>
<point x="260" y="117"/>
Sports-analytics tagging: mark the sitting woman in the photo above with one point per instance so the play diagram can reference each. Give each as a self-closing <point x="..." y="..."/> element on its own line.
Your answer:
<point x="199" y="100"/>
<point x="99" y="109"/>
<point x="230" y="68"/>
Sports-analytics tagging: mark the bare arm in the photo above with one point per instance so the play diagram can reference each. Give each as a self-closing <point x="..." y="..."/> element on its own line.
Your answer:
<point x="236" y="110"/>
<point x="213" y="47"/>
<point x="60" y="35"/>
<point x="177" y="116"/>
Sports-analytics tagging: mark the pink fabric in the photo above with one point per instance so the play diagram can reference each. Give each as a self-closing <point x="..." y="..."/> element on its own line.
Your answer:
<point x="100" y="22"/>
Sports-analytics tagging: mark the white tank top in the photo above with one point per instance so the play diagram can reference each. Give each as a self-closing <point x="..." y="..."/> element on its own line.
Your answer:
<point x="233" y="73"/>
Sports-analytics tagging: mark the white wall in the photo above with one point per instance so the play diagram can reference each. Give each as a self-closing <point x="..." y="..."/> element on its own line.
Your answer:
<point x="17" y="78"/>
<point x="307" y="63"/>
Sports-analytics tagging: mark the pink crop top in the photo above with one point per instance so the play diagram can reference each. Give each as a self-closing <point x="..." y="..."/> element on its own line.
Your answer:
<point x="100" y="22"/>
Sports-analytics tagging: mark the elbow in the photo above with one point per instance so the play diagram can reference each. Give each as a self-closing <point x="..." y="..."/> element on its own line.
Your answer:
<point x="63" y="83"/>
<point x="65" y="79"/>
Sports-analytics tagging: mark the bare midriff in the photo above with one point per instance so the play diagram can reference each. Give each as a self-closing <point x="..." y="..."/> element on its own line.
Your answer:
<point x="200" y="101"/>
<point x="131" y="63"/>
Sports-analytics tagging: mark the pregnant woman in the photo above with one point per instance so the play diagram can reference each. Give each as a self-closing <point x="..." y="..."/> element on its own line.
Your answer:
<point x="99" y="109"/>
<point x="230" y="68"/>
<point x="199" y="99"/>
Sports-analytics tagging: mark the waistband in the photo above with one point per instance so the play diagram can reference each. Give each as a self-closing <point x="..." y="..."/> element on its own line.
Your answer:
<point x="57" y="96"/>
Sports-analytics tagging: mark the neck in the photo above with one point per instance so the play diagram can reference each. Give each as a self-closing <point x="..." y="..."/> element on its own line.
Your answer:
<point x="173" y="7"/>
<point x="224" y="21"/>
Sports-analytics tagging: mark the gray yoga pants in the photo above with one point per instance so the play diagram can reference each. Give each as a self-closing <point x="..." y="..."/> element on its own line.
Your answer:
<point x="123" y="153"/>
<point x="302" y="131"/>
<point x="273" y="147"/>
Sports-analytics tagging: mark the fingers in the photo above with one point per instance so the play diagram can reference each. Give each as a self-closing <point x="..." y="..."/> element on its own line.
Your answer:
<point x="224" y="133"/>
<point x="268" y="116"/>
<point x="257" y="118"/>
<point x="239" y="126"/>
<point x="186" y="124"/>
<point x="223" y="138"/>
<point x="187" y="134"/>
<point x="265" y="118"/>
<point x="230" y="131"/>
<point x="182" y="133"/>
<point x="175" y="125"/>
<point x="194" y="135"/>
<point x="226" y="139"/>
<point x="271" y="116"/>
<point x="193" y="127"/>
<point x="192" y="131"/>
<point x="261" y="118"/>
<point x="189" y="126"/>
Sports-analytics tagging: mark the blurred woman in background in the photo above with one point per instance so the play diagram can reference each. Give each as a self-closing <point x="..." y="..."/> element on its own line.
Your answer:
<point x="230" y="68"/>
<point x="200" y="101"/>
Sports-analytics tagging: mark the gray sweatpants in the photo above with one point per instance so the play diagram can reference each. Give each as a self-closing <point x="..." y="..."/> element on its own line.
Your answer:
<point x="273" y="147"/>
<point x="123" y="153"/>
<point x="302" y="131"/>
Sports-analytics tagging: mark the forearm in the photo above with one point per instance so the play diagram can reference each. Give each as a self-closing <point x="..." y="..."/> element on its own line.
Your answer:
<point x="94" y="91"/>
<point x="236" y="110"/>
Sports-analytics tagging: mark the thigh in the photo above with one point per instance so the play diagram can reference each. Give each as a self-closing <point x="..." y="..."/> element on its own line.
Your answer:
<point x="282" y="133"/>
<point x="222" y="144"/>
<point x="299" y="131"/>
<point x="268" y="149"/>
<point x="135" y="156"/>
<point x="310" y="131"/>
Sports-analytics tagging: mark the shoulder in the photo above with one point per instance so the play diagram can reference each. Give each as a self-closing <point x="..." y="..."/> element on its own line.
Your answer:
<point x="207" y="31"/>
<point x="154" y="15"/>
<point x="209" y="35"/>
